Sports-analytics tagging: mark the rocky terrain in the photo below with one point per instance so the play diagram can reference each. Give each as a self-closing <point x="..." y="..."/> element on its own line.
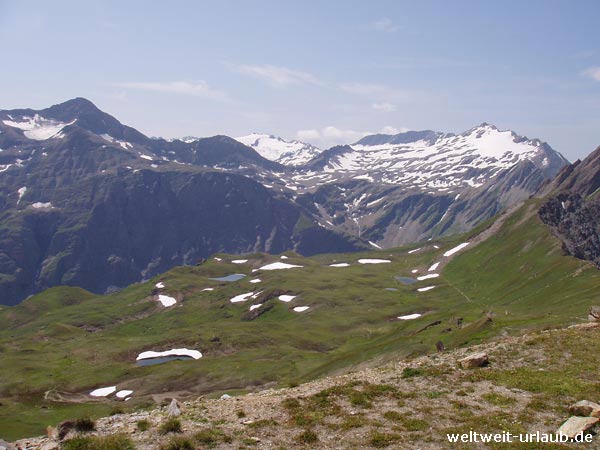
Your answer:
<point x="573" y="208"/>
<point x="513" y="384"/>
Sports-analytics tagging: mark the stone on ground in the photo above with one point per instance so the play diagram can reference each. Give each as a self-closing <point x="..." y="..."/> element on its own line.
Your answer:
<point x="585" y="408"/>
<point x="575" y="425"/>
<point x="479" y="359"/>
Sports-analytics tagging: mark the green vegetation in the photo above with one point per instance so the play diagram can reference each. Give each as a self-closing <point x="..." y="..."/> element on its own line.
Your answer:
<point x="59" y="345"/>
<point x="111" y="442"/>
<point x="307" y="437"/>
<point x="143" y="425"/>
<point x="170" y="426"/>
<point x="179" y="443"/>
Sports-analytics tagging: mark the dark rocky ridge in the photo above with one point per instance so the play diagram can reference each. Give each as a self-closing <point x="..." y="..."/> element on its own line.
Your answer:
<point x="573" y="208"/>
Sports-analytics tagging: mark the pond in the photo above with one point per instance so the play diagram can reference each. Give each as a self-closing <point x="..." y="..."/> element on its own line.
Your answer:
<point x="405" y="280"/>
<point x="232" y="277"/>
<point x="391" y="289"/>
<point x="160" y="360"/>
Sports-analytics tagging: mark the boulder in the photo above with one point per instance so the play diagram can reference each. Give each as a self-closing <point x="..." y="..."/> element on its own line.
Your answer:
<point x="174" y="409"/>
<point x="594" y="313"/>
<point x="575" y="425"/>
<point x="585" y="408"/>
<point x="5" y="445"/>
<point x="479" y="359"/>
<point x="51" y="432"/>
<point x="225" y="396"/>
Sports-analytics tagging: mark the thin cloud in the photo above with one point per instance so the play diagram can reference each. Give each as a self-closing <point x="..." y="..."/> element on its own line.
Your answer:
<point x="384" y="107"/>
<point x="277" y="75"/>
<point x="384" y="25"/>
<point x="329" y="136"/>
<point x="375" y="91"/>
<point x="195" y="89"/>
<point x="593" y="73"/>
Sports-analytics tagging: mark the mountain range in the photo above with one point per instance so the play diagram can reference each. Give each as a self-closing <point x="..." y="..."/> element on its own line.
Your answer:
<point x="90" y="202"/>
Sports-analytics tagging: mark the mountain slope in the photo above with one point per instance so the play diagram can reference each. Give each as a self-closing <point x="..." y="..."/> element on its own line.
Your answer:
<point x="411" y="403"/>
<point x="56" y="164"/>
<point x="511" y="276"/>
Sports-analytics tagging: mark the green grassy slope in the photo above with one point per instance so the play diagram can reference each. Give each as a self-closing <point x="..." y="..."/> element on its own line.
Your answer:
<point x="69" y="341"/>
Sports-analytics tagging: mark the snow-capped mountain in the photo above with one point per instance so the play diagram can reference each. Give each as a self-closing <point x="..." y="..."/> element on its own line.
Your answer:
<point x="429" y="160"/>
<point x="289" y="153"/>
<point x="70" y="172"/>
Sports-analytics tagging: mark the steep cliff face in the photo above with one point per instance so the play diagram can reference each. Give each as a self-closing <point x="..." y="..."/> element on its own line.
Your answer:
<point x="576" y="222"/>
<point x="573" y="208"/>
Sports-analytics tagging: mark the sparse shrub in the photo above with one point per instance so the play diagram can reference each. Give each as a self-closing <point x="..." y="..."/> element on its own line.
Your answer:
<point x="241" y="414"/>
<point x="211" y="437"/>
<point x="178" y="443"/>
<point x="143" y="425"/>
<point x="84" y="424"/>
<point x="358" y="398"/>
<point x="110" y="442"/>
<point x="291" y="403"/>
<point x="381" y="440"/>
<point x="307" y="437"/>
<point x="498" y="399"/>
<point x="411" y="372"/>
<point x="392" y="415"/>
<point x="116" y="410"/>
<point x="78" y="443"/>
<point x="170" y="426"/>
<point x="263" y="423"/>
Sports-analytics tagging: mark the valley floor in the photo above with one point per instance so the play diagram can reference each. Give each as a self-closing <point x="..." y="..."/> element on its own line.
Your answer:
<point x="411" y="404"/>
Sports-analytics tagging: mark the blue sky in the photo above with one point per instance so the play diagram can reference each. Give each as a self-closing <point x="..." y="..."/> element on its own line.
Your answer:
<point x="322" y="71"/>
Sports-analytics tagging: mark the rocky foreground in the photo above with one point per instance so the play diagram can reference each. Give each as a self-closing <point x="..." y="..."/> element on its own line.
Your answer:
<point x="516" y="385"/>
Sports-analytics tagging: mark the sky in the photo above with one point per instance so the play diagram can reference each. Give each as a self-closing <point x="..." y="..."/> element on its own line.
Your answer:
<point x="326" y="72"/>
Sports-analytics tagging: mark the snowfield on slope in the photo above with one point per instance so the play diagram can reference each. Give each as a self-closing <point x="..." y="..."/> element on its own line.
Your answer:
<point x="173" y="352"/>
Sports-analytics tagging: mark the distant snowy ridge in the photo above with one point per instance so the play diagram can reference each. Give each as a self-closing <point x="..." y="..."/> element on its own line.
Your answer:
<point x="289" y="153"/>
<point x="433" y="161"/>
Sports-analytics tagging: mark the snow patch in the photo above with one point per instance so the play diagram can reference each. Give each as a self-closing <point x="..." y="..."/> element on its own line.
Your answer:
<point x="278" y="266"/>
<point x="339" y="265"/>
<point x="456" y="249"/>
<point x="287" y="298"/>
<point x="425" y="289"/>
<point x="166" y="300"/>
<point x="428" y="276"/>
<point x="173" y="352"/>
<point x="21" y="192"/>
<point x="239" y="261"/>
<point x="374" y="261"/>
<point x="301" y="308"/>
<point x="38" y="128"/>
<point x="103" y="392"/>
<point x="410" y="316"/>
<point x="124" y="393"/>
<point x="241" y="297"/>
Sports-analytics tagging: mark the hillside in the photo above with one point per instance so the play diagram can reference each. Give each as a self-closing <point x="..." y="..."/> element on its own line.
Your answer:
<point x="411" y="404"/>
<point x="511" y="277"/>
